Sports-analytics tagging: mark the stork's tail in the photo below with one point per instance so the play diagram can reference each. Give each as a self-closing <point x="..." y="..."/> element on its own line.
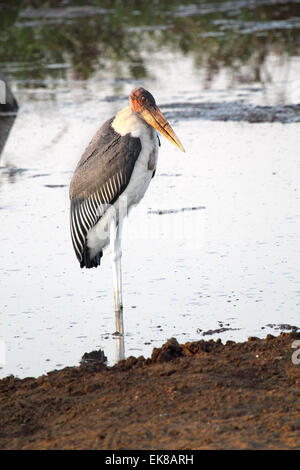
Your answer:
<point x="87" y="261"/>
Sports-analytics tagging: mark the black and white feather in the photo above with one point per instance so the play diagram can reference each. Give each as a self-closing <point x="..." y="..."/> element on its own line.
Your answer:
<point x="102" y="175"/>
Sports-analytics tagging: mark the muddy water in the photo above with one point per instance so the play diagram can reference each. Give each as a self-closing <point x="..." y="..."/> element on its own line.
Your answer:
<point x="214" y="245"/>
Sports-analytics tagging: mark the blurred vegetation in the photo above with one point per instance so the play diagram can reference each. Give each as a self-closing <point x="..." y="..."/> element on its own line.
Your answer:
<point x="42" y="39"/>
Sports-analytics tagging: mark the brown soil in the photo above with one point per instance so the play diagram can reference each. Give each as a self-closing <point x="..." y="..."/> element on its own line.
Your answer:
<point x="201" y="395"/>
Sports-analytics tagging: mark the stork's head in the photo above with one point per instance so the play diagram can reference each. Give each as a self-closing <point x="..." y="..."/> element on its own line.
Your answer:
<point x="143" y="103"/>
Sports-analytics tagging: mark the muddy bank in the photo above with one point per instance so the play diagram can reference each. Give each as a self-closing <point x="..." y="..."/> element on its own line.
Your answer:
<point x="233" y="111"/>
<point x="201" y="395"/>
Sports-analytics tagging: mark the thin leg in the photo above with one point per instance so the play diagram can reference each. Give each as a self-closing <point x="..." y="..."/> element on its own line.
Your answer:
<point x="116" y="254"/>
<point x="120" y="348"/>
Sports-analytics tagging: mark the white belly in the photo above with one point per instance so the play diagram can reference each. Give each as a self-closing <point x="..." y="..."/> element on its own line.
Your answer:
<point x="98" y="236"/>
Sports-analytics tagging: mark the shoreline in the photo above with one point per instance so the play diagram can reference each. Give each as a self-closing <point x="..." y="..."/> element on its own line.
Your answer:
<point x="197" y="395"/>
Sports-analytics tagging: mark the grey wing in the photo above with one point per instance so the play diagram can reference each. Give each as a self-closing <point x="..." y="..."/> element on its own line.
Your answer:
<point x="100" y="178"/>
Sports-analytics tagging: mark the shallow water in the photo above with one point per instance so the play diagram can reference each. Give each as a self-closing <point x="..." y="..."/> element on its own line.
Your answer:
<point x="229" y="259"/>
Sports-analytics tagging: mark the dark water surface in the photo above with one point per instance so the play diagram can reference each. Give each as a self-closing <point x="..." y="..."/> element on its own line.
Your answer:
<point x="214" y="245"/>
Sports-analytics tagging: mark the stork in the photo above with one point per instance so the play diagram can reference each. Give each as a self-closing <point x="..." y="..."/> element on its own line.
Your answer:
<point x="113" y="175"/>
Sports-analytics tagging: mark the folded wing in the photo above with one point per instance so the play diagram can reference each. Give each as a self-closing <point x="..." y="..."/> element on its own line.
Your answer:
<point x="101" y="176"/>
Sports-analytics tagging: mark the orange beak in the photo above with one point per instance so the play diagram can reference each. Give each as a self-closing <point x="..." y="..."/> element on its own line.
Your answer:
<point x="156" y="119"/>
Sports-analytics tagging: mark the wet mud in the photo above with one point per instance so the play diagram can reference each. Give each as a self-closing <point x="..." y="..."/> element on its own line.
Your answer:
<point x="197" y="395"/>
<point x="283" y="327"/>
<point x="218" y="330"/>
<point x="234" y="111"/>
<point x="175" y="211"/>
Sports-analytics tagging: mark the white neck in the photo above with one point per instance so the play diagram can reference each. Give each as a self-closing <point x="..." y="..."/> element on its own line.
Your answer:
<point x="129" y="122"/>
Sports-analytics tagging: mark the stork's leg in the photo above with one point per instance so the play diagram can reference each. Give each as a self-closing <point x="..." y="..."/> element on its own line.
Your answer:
<point x="120" y="348"/>
<point x="116" y="254"/>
